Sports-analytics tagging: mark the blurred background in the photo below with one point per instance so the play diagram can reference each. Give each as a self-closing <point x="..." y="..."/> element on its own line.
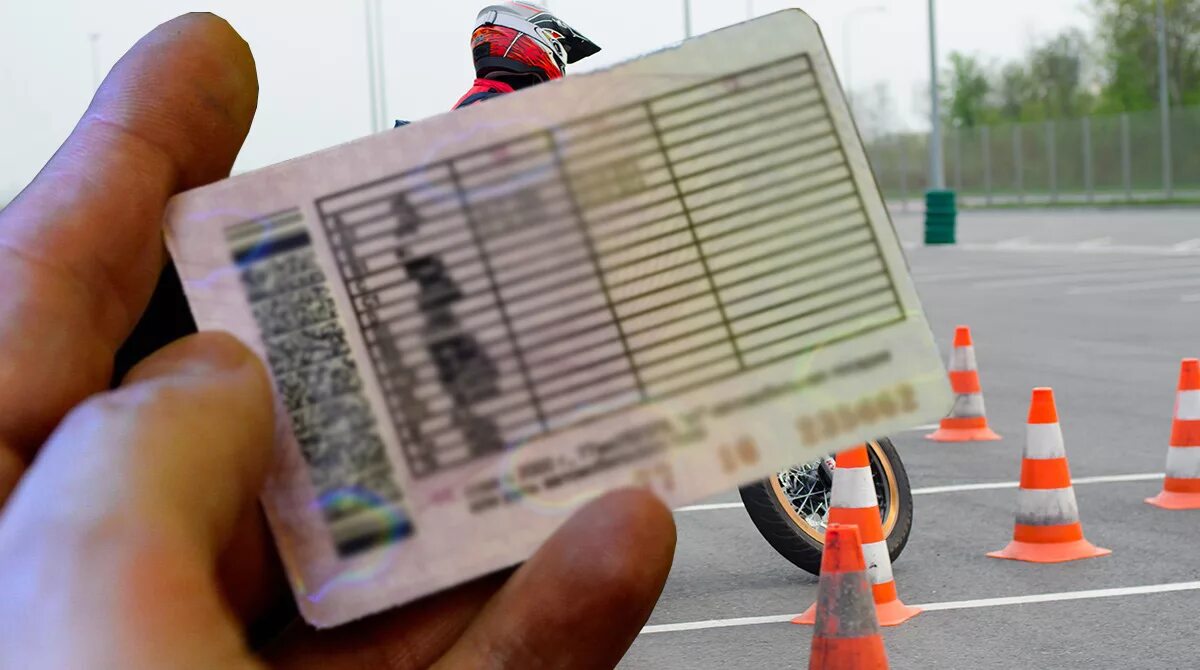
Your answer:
<point x="1041" y="100"/>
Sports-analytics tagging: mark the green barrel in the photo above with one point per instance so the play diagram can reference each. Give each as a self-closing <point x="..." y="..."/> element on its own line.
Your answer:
<point x="941" y="217"/>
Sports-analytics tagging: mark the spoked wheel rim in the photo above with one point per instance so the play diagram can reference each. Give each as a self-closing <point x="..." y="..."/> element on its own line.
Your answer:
<point x="803" y="492"/>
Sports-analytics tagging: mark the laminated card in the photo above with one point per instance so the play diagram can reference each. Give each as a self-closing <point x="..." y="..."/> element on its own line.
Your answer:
<point x="677" y="273"/>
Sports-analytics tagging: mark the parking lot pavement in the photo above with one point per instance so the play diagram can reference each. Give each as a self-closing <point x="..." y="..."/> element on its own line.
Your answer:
<point x="1106" y="329"/>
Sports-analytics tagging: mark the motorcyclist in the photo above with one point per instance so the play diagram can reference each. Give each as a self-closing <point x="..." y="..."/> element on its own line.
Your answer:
<point x="519" y="44"/>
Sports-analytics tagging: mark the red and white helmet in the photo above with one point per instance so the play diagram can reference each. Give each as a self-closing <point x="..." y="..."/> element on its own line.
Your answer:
<point x="523" y="43"/>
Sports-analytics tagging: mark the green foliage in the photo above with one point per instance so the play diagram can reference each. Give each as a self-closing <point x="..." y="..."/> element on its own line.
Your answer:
<point x="1127" y="33"/>
<point x="1069" y="74"/>
<point x="969" y="88"/>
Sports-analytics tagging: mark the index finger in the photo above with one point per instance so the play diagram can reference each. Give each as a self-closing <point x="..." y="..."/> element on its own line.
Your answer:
<point x="80" y="248"/>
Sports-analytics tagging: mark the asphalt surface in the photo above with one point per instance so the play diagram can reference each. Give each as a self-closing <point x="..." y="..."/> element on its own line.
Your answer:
<point x="1100" y="305"/>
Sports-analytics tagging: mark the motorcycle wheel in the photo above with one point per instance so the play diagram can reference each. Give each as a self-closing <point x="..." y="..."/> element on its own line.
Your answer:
<point x="790" y="509"/>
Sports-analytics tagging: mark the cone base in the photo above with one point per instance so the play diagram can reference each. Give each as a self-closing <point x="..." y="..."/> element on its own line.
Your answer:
<point x="1175" y="500"/>
<point x="984" y="434"/>
<point x="892" y="613"/>
<point x="848" y="653"/>
<point x="1055" y="552"/>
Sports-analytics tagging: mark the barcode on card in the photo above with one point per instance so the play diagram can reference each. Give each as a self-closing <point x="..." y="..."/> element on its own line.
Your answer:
<point x="319" y="383"/>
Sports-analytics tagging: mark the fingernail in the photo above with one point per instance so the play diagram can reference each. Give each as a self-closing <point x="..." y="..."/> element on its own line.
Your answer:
<point x="202" y="354"/>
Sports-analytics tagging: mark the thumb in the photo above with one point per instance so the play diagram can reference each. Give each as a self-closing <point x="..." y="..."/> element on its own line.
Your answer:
<point x="110" y="543"/>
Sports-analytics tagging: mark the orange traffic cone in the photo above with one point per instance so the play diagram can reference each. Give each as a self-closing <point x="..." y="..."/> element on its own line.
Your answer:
<point x="853" y="502"/>
<point x="968" y="420"/>
<point x="847" y="635"/>
<point x="1047" y="528"/>
<point x="1181" y="488"/>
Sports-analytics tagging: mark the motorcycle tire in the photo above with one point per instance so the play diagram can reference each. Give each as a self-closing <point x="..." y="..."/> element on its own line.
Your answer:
<point x="798" y="539"/>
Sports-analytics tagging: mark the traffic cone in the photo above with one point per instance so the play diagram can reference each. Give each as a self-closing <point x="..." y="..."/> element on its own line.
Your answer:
<point x="847" y="635"/>
<point x="1047" y="528"/>
<point x="968" y="420"/>
<point x="1181" y="488"/>
<point x="853" y="502"/>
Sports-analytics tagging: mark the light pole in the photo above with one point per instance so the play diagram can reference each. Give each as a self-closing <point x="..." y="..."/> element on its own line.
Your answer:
<point x="380" y="68"/>
<point x="847" y="23"/>
<point x="95" y="39"/>
<point x="378" y="92"/>
<point x="371" y="76"/>
<point x="687" y="18"/>
<point x="1164" y="100"/>
<point x="749" y="9"/>
<point x="937" y="171"/>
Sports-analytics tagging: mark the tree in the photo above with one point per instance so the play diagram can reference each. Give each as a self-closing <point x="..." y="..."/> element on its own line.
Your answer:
<point x="1056" y="70"/>
<point x="966" y="98"/>
<point x="875" y="111"/>
<point x="1127" y="36"/>
<point x="1015" y="92"/>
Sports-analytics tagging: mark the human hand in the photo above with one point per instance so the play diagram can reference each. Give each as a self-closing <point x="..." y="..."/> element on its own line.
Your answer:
<point x="129" y="530"/>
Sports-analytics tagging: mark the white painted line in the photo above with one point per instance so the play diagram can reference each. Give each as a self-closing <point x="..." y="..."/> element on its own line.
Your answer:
<point x="1191" y="297"/>
<point x="1059" y="597"/>
<point x="958" y="488"/>
<point x="1018" y="245"/>
<point x="1188" y="245"/>
<point x="1102" y="479"/>
<point x="946" y="606"/>
<point x="1133" y="286"/>
<point x="1142" y="272"/>
<point x="928" y="426"/>
<point x="711" y="506"/>
<point x="1013" y="243"/>
<point x="717" y="623"/>
<point x="1094" y="243"/>
<point x="1089" y="265"/>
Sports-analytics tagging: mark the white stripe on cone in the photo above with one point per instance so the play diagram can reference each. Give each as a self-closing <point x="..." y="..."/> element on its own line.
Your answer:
<point x="853" y="488"/>
<point x="879" y="562"/>
<point x="1047" y="507"/>
<point x="968" y="405"/>
<point x="1044" y="441"/>
<point x="962" y="359"/>
<point x="1187" y="405"/>
<point x="1183" y="462"/>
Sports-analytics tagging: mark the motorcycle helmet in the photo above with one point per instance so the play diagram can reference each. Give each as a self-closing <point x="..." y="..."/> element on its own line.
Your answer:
<point x="522" y="44"/>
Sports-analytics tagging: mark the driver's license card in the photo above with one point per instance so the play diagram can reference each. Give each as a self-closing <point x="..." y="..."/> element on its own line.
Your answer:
<point x="677" y="273"/>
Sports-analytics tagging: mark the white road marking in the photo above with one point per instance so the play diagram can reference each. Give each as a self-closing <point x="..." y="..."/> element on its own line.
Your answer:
<point x="710" y="506"/>
<point x="987" y="486"/>
<point x="1013" y="243"/>
<point x="958" y="488"/>
<point x="1017" y="245"/>
<point x="1094" y="243"/>
<point x="1044" y="278"/>
<point x="1090" y="265"/>
<point x="1188" y="245"/>
<point x="1191" y="297"/>
<point x="1129" y="287"/>
<point x="946" y="606"/>
<point x="1144" y="268"/>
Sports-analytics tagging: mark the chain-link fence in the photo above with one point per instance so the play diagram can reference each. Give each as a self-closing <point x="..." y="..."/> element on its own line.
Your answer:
<point x="1092" y="159"/>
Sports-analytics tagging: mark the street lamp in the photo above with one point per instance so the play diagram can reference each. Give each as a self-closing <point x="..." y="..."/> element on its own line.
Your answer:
<point x="95" y="39"/>
<point x="847" y="23"/>
<point x="378" y="92"/>
<point x="687" y="18"/>
<point x="937" y="171"/>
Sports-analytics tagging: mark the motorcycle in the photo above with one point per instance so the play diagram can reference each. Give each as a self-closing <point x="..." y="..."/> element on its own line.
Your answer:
<point x="791" y="508"/>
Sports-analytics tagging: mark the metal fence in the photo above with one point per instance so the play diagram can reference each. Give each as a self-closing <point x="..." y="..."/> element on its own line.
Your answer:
<point x="1091" y="159"/>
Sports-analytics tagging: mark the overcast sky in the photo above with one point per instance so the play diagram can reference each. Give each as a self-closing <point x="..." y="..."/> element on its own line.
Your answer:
<point x="312" y="58"/>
